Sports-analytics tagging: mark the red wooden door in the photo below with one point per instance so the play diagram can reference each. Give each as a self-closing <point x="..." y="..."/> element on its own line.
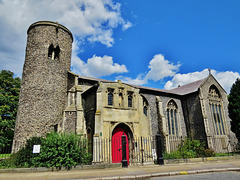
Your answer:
<point x="117" y="145"/>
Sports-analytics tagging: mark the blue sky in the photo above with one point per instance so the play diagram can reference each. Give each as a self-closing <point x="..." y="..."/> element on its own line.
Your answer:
<point x="155" y="43"/>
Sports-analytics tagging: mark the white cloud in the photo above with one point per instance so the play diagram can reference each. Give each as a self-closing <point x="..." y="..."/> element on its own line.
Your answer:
<point x="97" y="66"/>
<point x="181" y="79"/>
<point x="160" y="68"/>
<point x="92" y="20"/>
<point x="140" y="80"/>
<point x="226" y="79"/>
<point x="126" y="25"/>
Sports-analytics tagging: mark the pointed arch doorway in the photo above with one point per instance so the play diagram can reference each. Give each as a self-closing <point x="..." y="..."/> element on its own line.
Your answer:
<point x="117" y="134"/>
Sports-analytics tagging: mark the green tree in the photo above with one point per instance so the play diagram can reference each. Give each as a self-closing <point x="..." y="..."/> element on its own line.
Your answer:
<point x="9" y="95"/>
<point x="234" y="107"/>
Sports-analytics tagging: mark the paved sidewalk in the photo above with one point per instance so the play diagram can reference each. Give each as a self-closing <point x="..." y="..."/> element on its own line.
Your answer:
<point x="131" y="172"/>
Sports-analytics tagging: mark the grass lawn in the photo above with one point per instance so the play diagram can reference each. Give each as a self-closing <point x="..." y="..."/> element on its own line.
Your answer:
<point x="227" y="154"/>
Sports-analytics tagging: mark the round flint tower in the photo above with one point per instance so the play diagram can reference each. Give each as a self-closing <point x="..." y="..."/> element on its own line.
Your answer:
<point x="43" y="93"/>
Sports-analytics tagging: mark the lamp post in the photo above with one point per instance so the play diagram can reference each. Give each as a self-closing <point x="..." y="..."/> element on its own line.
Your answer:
<point x="124" y="153"/>
<point x="160" y="160"/>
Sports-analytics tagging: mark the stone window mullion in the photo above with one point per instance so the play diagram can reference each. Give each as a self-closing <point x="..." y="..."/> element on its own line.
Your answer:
<point x="224" y="119"/>
<point x="221" y="119"/>
<point x="218" y="119"/>
<point x="172" y="117"/>
<point x="176" y="124"/>
<point x="172" y="122"/>
<point x="216" y="111"/>
<point x="110" y="97"/>
<point x="214" y="119"/>
<point x="130" y="100"/>
<point x="169" y="124"/>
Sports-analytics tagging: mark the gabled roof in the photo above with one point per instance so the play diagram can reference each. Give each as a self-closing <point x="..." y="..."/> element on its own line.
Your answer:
<point x="181" y="90"/>
<point x="136" y="86"/>
<point x="188" y="88"/>
<point x="94" y="79"/>
<point x="152" y="89"/>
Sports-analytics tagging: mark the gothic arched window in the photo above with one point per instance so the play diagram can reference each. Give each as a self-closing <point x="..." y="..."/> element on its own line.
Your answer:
<point x="130" y="100"/>
<point x="216" y="110"/>
<point x="110" y="97"/>
<point x="172" y="118"/>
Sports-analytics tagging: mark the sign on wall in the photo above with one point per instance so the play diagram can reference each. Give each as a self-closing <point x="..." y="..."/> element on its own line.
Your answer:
<point x="36" y="148"/>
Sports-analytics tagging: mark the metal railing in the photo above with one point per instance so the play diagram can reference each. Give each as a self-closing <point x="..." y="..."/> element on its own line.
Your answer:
<point x="141" y="150"/>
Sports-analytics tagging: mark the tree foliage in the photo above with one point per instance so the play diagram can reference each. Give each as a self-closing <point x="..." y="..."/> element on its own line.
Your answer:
<point x="234" y="107"/>
<point x="9" y="95"/>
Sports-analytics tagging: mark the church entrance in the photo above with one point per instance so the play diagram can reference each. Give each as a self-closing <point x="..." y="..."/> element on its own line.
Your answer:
<point x="117" y="134"/>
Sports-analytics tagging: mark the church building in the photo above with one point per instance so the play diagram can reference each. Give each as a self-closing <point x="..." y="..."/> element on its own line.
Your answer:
<point x="52" y="98"/>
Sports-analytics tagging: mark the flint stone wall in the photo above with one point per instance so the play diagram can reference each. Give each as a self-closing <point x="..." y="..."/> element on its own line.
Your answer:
<point x="43" y="92"/>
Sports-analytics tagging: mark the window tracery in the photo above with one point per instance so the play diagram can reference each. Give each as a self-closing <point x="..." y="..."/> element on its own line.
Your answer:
<point x="172" y="118"/>
<point x="130" y="100"/>
<point x="110" y="97"/>
<point x="216" y="110"/>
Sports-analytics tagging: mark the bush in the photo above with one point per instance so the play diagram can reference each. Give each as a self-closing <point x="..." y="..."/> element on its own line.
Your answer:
<point x="172" y="155"/>
<point x="24" y="157"/>
<point x="63" y="150"/>
<point x="190" y="149"/>
<point x="8" y="162"/>
<point x="209" y="153"/>
<point x="57" y="150"/>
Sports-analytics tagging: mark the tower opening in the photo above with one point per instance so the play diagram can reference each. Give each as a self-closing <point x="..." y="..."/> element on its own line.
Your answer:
<point x="53" y="52"/>
<point x="50" y="50"/>
<point x="57" y="51"/>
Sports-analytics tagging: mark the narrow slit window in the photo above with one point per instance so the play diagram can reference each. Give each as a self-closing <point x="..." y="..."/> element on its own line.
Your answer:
<point x="145" y="110"/>
<point x="50" y="50"/>
<point x="57" y="52"/>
